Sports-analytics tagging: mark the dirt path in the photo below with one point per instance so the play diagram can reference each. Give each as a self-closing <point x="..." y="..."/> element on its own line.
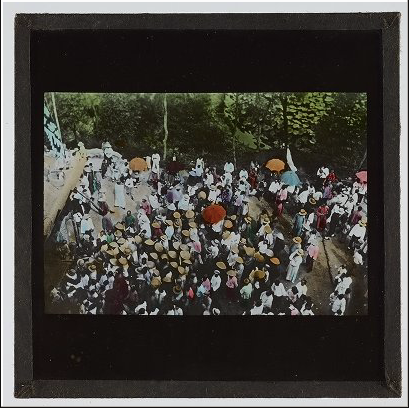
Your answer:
<point x="332" y="253"/>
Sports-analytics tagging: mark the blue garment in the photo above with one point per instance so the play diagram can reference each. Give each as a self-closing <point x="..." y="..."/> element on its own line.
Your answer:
<point x="298" y="224"/>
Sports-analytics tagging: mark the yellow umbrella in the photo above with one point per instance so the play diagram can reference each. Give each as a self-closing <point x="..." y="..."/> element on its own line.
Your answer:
<point x="275" y="165"/>
<point x="138" y="164"/>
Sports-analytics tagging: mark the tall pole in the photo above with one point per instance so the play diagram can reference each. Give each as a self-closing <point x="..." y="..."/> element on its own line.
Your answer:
<point x="165" y="126"/>
<point x="55" y="114"/>
<point x="363" y="159"/>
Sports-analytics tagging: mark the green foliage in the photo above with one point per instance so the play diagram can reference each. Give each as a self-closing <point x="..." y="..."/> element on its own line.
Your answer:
<point x="76" y="113"/>
<point x="194" y="129"/>
<point x="217" y="126"/>
<point x="342" y="133"/>
<point x="130" y="121"/>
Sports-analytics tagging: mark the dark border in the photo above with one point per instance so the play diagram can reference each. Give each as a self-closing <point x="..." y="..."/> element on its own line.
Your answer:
<point x="26" y="387"/>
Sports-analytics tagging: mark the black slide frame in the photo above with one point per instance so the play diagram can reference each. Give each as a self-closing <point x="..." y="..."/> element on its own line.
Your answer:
<point x="347" y="357"/>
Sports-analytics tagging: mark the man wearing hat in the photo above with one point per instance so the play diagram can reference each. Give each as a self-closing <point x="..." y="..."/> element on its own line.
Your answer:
<point x="246" y="292"/>
<point x="296" y="244"/>
<point x="295" y="259"/>
<point x="215" y="283"/>
<point x="357" y="233"/>
<point x="129" y="220"/>
<point x="231" y="285"/>
<point x="298" y="222"/>
<point x="250" y="231"/>
<point x="312" y="254"/>
<point x="334" y="219"/>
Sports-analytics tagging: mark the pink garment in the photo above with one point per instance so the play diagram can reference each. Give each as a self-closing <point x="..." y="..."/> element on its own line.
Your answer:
<point x="147" y="208"/>
<point x="207" y="284"/>
<point x="232" y="282"/>
<point x="313" y="251"/>
<point x="283" y="194"/>
<point x="356" y="216"/>
<point x="197" y="246"/>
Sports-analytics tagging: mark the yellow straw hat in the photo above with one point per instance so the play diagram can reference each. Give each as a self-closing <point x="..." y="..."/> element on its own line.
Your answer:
<point x="275" y="260"/>
<point x="189" y="214"/>
<point x="172" y="254"/>
<point x="267" y="229"/>
<point x="250" y="251"/>
<point x="185" y="255"/>
<point x="228" y="224"/>
<point x="259" y="257"/>
<point x="181" y="270"/>
<point x="225" y="235"/>
<point x="123" y="261"/>
<point x="159" y="247"/>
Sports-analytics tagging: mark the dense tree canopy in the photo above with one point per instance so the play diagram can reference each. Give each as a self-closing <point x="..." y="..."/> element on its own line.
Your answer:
<point x="230" y="125"/>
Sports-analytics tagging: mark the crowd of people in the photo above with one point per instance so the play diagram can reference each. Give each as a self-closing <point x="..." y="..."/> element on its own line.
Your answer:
<point x="193" y="247"/>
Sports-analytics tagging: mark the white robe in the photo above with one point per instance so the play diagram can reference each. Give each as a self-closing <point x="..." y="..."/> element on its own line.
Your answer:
<point x="119" y="196"/>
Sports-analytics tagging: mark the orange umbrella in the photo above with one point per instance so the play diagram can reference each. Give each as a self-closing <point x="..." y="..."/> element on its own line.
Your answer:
<point x="138" y="164"/>
<point x="213" y="213"/>
<point x="275" y="165"/>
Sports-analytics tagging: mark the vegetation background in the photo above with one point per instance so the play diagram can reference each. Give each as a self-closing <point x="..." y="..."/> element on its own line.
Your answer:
<point x="319" y="127"/>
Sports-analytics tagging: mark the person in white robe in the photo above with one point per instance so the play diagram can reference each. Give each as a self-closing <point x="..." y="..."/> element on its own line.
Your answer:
<point x="119" y="195"/>
<point x="243" y="174"/>
<point x="213" y="194"/>
<point x="87" y="224"/>
<point x="296" y="259"/>
<point x="229" y="167"/>
<point x="199" y="167"/>
<point x="183" y="204"/>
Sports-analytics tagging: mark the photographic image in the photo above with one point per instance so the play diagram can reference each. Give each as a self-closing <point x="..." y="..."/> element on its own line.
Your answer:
<point x="206" y="203"/>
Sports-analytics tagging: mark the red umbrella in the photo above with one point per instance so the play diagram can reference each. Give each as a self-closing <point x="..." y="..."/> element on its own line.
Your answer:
<point x="213" y="213"/>
<point x="362" y="176"/>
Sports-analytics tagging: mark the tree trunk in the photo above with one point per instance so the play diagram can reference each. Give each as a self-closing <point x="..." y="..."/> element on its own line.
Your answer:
<point x="363" y="159"/>
<point x="75" y="135"/>
<point x="235" y="127"/>
<point x="165" y="140"/>
<point x="55" y="114"/>
<point x="234" y="146"/>
<point x="284" y="101"/>
<point x="258" y="136"/>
